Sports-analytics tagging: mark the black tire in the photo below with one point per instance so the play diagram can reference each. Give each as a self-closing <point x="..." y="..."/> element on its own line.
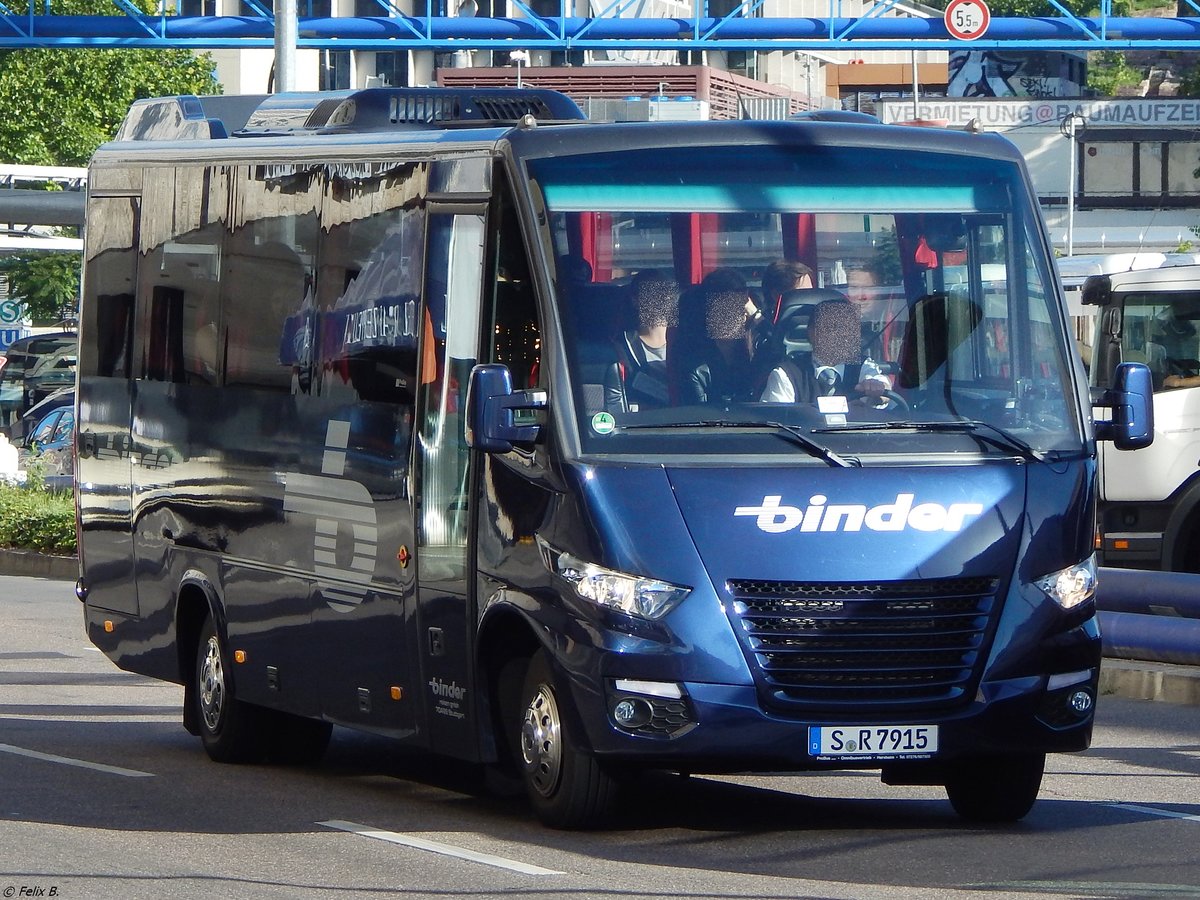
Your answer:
<point x="231" y="731"/>
<point x="996" y="788"/>
<point x="567" y="786"/>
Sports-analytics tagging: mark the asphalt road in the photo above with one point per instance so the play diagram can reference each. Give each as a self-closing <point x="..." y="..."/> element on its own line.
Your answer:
<point x="104" y="795"/>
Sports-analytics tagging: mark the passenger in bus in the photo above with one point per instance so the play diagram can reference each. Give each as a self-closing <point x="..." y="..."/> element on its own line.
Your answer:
<point x="862" y="287"/>
<point x="834" y="366"/>
<point x="638" y="380"/>
<point x="722" y="373"/>
<point x="778" y="278"/>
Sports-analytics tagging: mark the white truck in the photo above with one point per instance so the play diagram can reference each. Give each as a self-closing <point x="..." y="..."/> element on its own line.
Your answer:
<point x="1073" y="271"/>
<point x="1149" y="511"/>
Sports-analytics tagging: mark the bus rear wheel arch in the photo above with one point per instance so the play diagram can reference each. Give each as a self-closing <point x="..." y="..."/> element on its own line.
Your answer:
<point x="234" y="731"/>
<point x="231" y="731"/>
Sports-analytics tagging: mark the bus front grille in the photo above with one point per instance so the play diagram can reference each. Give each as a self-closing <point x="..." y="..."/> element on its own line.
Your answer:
<point x="906" y="646"/>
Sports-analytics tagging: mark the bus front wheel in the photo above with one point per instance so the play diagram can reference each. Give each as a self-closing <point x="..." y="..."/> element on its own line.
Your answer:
<point x="996" y="788"/>
<point x="567" y="786"/>
<point x="230" y="730"/>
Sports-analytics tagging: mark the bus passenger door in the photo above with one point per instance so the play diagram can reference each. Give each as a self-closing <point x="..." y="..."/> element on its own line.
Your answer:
<point x="104" y="468"/>
<point x="442" y="473"/>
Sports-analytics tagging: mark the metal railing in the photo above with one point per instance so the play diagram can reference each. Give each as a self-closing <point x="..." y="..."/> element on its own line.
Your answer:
<point x="1150" y="616"/>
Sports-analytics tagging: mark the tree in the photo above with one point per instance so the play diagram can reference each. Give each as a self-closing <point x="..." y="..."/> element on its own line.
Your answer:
<point x="57" y="107"/>
<point x="1039" y="8"/>
<point x="1108" y="70"/>
<point x="47" y="283"/>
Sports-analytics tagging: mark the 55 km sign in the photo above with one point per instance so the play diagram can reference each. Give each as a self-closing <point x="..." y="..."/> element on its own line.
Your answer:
<point x="967" y="19"/>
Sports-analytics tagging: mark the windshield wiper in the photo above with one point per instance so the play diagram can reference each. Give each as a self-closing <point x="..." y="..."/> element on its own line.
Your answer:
<point x="788" y="432"/>
<point x="985" y="431"/>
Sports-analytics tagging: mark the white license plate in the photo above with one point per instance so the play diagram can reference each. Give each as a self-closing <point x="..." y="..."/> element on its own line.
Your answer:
<point x="872" y="741"/>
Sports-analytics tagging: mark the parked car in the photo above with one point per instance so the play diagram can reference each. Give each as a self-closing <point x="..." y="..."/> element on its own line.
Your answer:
<point x="50" y="373"/>
<point x="34" y="415"/>
<point x="52" y="442"/>
<point x="23" y="355"/>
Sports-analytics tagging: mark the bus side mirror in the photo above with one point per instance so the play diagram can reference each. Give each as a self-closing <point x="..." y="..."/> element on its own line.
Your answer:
<point x="492" y="405"/>
<point x="1131" y="399"/>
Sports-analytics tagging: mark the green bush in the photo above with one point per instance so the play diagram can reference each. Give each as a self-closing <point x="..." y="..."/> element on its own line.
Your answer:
<point x="32" y="518"/>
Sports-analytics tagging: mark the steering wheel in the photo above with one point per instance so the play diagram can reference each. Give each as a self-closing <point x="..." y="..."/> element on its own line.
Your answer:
<point x="894" y="401"/>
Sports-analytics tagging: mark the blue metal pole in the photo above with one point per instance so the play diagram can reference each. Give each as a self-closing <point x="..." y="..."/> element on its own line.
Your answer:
<point x="1168" y="594"/>
<point x="1150" y="638"/>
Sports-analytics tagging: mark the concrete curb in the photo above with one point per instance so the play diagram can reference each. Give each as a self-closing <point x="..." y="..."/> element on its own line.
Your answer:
<point x="38" y="565"/>
<point x="1134" y="680"/>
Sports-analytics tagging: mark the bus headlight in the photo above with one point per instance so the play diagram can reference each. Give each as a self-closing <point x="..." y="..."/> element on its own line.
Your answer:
<point x="1071" y="586"/>
<point x="647" y="598"/>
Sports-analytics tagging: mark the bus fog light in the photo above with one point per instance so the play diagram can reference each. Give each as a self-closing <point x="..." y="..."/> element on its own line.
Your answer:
<point x="631" y="712"/>
<point x="1080" y="702"/>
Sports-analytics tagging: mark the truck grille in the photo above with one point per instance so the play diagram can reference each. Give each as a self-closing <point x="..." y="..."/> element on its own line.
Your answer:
<point x="913" y="645"/>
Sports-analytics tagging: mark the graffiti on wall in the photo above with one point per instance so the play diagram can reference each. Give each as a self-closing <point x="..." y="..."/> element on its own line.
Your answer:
<point x="992" y="73"/>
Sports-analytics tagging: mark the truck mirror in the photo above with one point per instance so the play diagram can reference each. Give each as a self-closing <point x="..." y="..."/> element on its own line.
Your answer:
<point x="1096" y="291"/>
<point x="492" y="404"/>
<point x="1131" y="400"/>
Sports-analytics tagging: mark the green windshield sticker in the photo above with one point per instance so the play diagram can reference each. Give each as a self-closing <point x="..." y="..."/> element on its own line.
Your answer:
<point x="603" y="423"/>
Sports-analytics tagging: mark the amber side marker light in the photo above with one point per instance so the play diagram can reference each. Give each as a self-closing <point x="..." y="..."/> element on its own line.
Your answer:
<point x="239" y="656"/>
<point x="397" y="692"/>
<point x="108" y="626"/>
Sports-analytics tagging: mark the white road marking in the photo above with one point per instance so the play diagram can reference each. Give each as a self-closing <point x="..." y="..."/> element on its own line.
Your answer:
<point x="1151" y="811"/>
<point x="408" y="840"/>
<point x="79" y="763"/>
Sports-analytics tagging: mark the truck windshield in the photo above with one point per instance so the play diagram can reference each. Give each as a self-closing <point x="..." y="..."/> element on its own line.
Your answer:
<point x="924" y="297"/>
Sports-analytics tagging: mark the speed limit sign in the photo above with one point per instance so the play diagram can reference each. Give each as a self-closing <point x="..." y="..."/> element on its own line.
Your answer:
<point x="967" y="19"/>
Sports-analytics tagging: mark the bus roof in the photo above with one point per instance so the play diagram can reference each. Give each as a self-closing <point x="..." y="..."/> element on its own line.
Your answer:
<point x="411" y="116"/>
<point x="341" y="112"/>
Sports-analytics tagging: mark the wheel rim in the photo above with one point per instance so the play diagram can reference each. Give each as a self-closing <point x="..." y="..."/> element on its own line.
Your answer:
<point x="541" y="743"/>
<point x="212" y="685"/>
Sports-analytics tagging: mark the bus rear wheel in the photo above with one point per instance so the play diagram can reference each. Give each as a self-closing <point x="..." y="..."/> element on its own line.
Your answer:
<point x="231" y="731"/>
<point x="996" y="788"/>
<point x="567" y="786"/>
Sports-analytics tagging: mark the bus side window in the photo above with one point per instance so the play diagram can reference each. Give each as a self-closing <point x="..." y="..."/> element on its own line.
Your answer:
<point x="107" y="309"/>
<point x="367" y="290"/>
<point x="517" y="335"/>
<point x="269" y="280"/>
<point x="178" y="283"/>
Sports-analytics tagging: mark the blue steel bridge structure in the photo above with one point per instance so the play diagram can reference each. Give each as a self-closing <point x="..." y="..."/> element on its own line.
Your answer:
<point x="448" y="27"/>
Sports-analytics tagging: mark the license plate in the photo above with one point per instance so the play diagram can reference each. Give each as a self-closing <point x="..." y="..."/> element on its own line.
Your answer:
<point x="872" y="741"/>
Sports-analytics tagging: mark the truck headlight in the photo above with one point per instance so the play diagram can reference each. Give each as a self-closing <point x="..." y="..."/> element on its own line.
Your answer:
<point x="647" y="598"/>
<point x="1071" y="586"/>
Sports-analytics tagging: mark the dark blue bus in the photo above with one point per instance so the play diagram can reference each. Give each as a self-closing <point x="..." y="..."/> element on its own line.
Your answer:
<point x="452" y="417"/>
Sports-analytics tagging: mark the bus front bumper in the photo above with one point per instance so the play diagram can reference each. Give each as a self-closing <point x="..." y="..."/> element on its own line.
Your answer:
<point x="723" y="727"/>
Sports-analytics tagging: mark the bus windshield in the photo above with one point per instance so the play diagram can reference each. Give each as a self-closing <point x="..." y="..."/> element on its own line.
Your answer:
<point x="921" y="318"/>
